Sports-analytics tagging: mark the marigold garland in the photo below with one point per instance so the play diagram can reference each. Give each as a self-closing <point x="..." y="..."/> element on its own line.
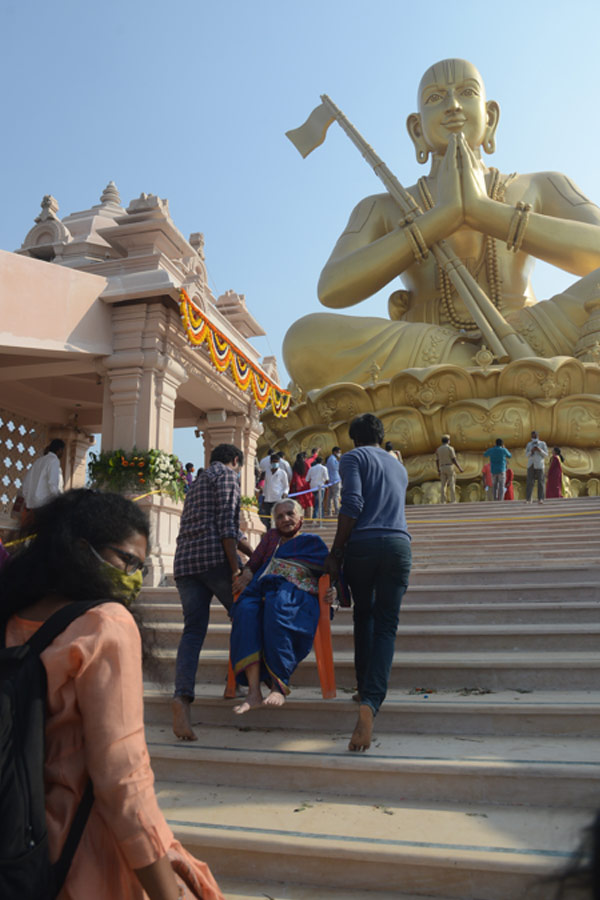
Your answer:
<point x="226" y="355"/>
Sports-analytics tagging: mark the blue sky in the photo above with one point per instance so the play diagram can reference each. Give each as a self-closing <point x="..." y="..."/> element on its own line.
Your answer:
<point x="190" y="100"/>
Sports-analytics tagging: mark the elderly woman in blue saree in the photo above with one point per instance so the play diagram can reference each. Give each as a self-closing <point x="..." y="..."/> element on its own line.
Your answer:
<point x="275" y="618"/>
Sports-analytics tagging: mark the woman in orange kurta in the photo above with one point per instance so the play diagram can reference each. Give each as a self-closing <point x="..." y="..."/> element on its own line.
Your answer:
<point x="89" y="545"/>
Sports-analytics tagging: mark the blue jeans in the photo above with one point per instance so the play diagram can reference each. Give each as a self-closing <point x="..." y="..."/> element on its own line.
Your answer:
<point x="195" y="593"/>
<point x="377" y="571"/>
<point x="318" y="504"/>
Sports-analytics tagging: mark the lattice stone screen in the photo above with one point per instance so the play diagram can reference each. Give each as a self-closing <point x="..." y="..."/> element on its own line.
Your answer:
<point x="21" y="441"/>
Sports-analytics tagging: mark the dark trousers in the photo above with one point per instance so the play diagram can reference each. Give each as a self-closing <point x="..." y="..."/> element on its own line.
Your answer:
<point x="534" y="475"/>
<point x="195" y="593"/>
<point x="377" y="571"/>
<point x="265" y="513"/>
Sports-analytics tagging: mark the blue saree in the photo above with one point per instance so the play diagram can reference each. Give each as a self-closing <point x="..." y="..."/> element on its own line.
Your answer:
<point x="275" y="618"/>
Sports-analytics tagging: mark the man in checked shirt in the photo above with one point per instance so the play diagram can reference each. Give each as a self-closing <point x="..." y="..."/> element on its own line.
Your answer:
<point x="206" y="561"/>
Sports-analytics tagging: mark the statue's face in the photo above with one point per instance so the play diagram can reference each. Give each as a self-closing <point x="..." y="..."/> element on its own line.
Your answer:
<point x="451" y="100"/>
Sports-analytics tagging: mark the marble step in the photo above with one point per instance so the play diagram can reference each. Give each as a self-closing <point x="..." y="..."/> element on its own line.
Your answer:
<point x="470" y="710"/>
<point x="493" y="670"/>
<point x="445" y="638"/>
<point x="417" y="768"/>
<point x="476" y="851"/>
<point x="444" y="577"/>
<point x="428" y="613"/>
<point x="269" y="890"/>
<point x="517" y="550"/>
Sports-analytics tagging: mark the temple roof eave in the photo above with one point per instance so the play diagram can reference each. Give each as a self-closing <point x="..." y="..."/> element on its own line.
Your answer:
<point x="156" y="283"/>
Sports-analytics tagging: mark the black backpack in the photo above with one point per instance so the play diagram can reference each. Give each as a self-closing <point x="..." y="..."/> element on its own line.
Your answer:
<point x="25" y="870"/>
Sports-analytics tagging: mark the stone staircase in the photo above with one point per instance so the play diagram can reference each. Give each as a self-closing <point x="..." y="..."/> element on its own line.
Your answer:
<point x="485" y="763"/>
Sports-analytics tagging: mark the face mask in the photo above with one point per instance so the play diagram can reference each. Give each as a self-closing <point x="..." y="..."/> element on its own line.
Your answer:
<point x="127" y="587"/>
<point x="274" y="467"/>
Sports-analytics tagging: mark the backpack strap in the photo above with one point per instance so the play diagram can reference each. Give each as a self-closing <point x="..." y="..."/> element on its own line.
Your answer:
<point x="63" y="863"/>
<point x="38" y="642"/>
<point x="57" y="623"/>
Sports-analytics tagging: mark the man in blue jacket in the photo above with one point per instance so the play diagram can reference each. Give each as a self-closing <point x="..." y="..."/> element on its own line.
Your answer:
<point x="373" y="541"/>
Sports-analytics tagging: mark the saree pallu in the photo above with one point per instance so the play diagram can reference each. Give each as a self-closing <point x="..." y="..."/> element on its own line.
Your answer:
<point x="276" y="616"/>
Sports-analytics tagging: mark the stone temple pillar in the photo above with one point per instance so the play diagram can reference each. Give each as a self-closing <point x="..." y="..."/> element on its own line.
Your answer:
<point x="142" y="380"/>
<point x="141" y="385"/>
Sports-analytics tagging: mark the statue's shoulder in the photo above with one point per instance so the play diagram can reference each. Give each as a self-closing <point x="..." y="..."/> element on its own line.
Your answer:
<point x="372" y="210"/>
<point x="550" y="192"/>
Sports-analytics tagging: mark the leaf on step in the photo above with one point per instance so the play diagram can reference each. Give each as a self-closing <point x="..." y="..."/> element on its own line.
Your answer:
<point x="477" y="815"/>
<point x="384" y="809"/>
<point x="303" y="807"/>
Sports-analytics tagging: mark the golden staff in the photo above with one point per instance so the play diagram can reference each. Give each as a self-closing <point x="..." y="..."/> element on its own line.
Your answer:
<point x="501" y="338"/>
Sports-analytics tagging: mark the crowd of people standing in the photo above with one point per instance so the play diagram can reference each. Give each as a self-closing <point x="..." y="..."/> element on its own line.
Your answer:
<point x="497" y="477"/>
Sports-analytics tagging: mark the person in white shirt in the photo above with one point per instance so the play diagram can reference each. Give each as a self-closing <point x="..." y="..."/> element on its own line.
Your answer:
<point x="536" y="451"/>
<point x="265" y="462"/>
<point x="276" y="487"/>
<point x="317" y="476"/>
<point x="284" y="464"/>
<point x="44" y="480"/>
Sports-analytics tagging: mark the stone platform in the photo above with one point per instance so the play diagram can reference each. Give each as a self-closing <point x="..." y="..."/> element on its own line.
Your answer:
<point x="484" y="766"/>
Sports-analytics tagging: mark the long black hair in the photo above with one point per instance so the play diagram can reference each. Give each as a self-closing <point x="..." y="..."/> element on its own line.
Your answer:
<point x="58" y="560"/>
<point x="299" y="466"/>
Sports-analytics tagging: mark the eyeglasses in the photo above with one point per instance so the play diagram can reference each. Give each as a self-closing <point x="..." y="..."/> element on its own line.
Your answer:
<point x="132" y="563"/>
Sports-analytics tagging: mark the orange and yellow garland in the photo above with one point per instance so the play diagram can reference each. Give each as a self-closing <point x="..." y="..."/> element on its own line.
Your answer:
<point x="224" y="354"/>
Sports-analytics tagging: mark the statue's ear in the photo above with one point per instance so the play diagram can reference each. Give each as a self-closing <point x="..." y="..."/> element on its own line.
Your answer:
<point x="413" y="124"/>
<point x="493" y="117"/>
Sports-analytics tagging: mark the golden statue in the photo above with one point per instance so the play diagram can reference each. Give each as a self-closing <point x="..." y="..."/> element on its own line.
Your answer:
<point x="467" y="328"/>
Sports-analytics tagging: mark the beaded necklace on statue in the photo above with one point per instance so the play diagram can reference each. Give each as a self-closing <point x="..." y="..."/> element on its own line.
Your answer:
<point x="490" y="257"/>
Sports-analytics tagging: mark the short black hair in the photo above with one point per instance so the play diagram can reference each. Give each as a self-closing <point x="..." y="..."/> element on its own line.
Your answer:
<point x="280" y="454"/>
<point x="274" y="458"/>
<point x="226" y="453"/>
<point x="499" y="442"/>
<point x="54" y="445"/>
<point x="445" y="439"/>
<point x="388" y="445"/>
<point x="366" y="429"/>
<point x="335" y="449"/>
<point x="189" y="467"/>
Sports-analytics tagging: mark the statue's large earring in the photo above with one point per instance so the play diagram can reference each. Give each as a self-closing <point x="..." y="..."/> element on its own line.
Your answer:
<point x="493" y="116"/>
<point x="413" y="125"/>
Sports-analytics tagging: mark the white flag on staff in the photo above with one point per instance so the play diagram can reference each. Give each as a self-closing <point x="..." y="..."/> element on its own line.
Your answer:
<point x="310" y="135"/>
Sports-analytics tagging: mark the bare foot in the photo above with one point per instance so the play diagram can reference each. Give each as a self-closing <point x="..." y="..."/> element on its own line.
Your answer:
<point x="182" y="720"/>
<point x="361" y="736"/>
<point x="253" y="699"/>
<point x="275" y="698"/>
